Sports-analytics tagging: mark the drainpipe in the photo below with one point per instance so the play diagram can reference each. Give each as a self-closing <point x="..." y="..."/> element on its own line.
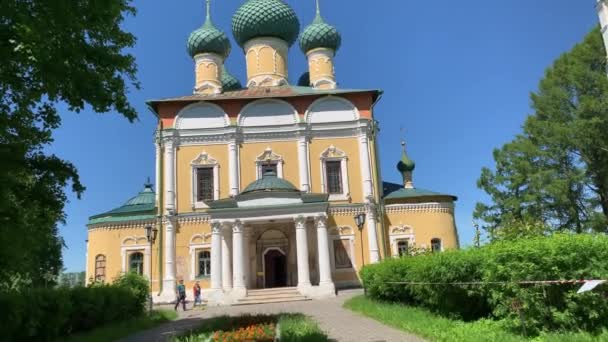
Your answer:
<point x="379" y="187"/>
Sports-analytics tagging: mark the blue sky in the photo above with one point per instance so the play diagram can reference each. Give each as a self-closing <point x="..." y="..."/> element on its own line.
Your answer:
<point x="456" y="76"/>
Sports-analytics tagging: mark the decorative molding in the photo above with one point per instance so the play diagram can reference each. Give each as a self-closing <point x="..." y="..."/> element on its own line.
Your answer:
<point x="204" y="161"/>
<point x="346" y="210"/>
<point x="333" y="153"/>
<point x="269" y="157"/>
<point x="400" y="233"/>
<point x="401" y="229"/>
<point x="193" y="219"/>
<point x="120" y="225"/>
<point x="134" y="241"/>
<point x="341" y="230"/>
<point x="444" y="207"/>
<point x="205" y="237"/>
<point x="351" y="239"/>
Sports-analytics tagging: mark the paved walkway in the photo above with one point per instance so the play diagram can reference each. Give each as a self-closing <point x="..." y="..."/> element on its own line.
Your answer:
<point x="339" y="324"/>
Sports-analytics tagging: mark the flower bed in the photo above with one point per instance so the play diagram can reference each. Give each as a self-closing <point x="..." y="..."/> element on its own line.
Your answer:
<point x="251" y="333"/>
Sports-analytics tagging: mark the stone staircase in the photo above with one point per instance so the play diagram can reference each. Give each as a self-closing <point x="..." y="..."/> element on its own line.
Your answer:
<point x="275" y="295"/>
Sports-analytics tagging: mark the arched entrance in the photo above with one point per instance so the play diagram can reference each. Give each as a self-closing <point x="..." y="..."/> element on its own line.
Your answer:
<point x="275" y="268"/>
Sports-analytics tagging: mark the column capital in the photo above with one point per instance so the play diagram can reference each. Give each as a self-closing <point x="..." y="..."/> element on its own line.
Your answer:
<point x="237" y="227"/>
<point x="216" y="227"/>
<point x="300" y="222"/>
<point x="321" y="221"/>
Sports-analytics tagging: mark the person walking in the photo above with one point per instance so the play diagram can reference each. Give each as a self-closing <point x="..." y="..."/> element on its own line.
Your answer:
<point x="180" y="292"/>
<point x="197" y="294"/>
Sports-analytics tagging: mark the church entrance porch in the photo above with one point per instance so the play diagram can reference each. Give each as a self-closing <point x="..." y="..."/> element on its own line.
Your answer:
<point x="275" y="269"/>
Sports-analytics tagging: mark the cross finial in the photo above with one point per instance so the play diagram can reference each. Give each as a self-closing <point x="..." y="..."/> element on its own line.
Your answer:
<point x="208" y="17"/>
<point x="318" y="8"/>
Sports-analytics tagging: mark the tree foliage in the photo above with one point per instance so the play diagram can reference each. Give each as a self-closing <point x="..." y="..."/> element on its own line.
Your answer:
<point x="555" y="173"/>
<point x="69" y="52"/>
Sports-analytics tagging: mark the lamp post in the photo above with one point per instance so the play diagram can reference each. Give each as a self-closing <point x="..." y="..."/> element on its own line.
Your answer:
<point x="360" y="222"/>
<point x="151" y="236"/>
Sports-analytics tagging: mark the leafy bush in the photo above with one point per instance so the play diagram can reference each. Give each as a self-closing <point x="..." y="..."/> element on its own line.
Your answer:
<point x="47" y="314"/>
<point x="550" y="307"/>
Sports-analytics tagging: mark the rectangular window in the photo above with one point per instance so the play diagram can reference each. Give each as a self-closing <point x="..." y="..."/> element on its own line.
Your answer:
<point x="204" y="264"/>
<point x="267" y="168"/>
<point x="403" y="247"/>
<point x="333" y="171"/>
<point x="342" y="254"/>
<point x="204" y="181"/>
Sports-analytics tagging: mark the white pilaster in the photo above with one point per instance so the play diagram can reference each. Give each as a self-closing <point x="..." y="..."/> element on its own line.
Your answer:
<point x="216" y="256"/>
<point x="246" y="264"/>
<point x="238" y="259"/>
<point x="325" y="281"/>
<point x="157" y="174"/>
<point x="86" y="265"/>
<point x="227" y="258"/>
<point x="374" y="254"/>
<point x="302" y="254"/>
<point x="233" y="168"/>
<point x="303" y="164"/>
<point x="602" y="11"/>
<point x="366" y="171"/>
<point x="169" y="267"/>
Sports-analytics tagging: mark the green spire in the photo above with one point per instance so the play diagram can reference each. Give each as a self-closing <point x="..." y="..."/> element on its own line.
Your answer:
<point x="319" y="34"/>
<point x="208" y="39"/>
<point x="406" y="166"/>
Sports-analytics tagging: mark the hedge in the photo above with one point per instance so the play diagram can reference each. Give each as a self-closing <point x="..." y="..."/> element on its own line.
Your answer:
<point x="49" y="314"/>
<point x="543" y="308"/>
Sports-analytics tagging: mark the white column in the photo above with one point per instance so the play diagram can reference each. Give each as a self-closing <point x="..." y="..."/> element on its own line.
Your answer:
<point x="374" y="254"/>
<point x="323" y="247"/>
<point x="157" y="171"/>
<point x="148" y="263"/>
<point x="366" y="171"/>
<point x="246" y="264"/>
<point x="302" y="254"/>
<point x="303" y="164"/>
<point x="216" y="256"/>
<point x="238" y="259"/>
<point x="602" y="11"/>
<point x="226" y="257"/>
<point x="233" y="168"/>
<point x="86" y="265"/>
<point x="169" y="183"/>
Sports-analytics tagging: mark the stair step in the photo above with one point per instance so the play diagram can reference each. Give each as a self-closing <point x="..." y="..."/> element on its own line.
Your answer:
<point x="273" y="290"/>
<point x="273" y="295"/>
<point x="250" y="301"/>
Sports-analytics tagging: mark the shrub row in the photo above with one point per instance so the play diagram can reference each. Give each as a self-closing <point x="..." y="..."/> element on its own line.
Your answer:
<point x="542" y="307"/>
<point x="49" y="314"/>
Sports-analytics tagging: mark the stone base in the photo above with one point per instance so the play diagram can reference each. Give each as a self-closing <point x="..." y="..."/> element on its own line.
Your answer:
<point x="324" y="290"/>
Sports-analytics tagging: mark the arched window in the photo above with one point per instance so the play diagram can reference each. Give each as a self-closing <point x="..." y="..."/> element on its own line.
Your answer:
<point x="100" y="267"/>
<point x="436" y="245"/>
<point x="136" y="263"/>
<point x="204" y="264"/>
<point x="402" y="247"/>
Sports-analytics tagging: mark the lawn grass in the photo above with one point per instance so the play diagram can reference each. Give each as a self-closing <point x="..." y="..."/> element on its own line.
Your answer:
<point x="436" y="328"/>
<point x="293" y="327"/>
<point x="118" y="330"/>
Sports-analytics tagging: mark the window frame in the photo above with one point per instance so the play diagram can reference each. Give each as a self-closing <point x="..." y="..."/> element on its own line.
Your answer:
<point x="407" y="247"/>
<point x="200" y="259"/>
<point x="333" y="154"/>
<point x="399" y="233"/>
<point x="343" y="233"/>
<point x="195" y="248"/>
<point x="204" y="161"/>
<point x="97" y="267"/>
<point x="268" y="157"/>
<point x="440" y="245"/>
<point x="141" y="262"/>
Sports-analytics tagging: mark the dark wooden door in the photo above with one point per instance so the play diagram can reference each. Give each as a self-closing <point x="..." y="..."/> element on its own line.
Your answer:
<point x="275" y="264"/>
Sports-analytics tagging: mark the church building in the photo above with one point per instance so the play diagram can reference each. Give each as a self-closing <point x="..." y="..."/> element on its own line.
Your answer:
<point x="264" y="184"/>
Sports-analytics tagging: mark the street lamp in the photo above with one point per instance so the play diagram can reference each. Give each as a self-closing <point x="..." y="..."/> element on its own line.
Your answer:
<point x="151" y="236"/>
<point x="360" y="221"/>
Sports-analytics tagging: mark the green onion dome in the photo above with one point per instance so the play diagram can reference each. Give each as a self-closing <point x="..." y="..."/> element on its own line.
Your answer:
<point x="319" y="34"/>
<point x="304" y="80"/>
<point x="270" y="183"/>
<point x="265" y="18"/>
<point x="405" y="164"/>
<point x="229" y="82"/>
<point x="208" y="39"/>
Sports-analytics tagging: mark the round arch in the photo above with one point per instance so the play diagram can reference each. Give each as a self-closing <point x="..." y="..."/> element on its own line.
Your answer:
<point x="268" y="112"/>
<point x="201" y="115"/>
<point x="331" y="109"/>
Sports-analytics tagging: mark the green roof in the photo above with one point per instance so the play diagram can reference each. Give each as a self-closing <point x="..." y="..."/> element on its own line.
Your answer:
<point x="405" y="164"/>
<point x="397" y="191"/>
<point x="140" y="207"/>
<point x="229" y="82"/>
<point x="270" y="183"/>
<point x="320" y="34"/>
<point x="265" y="18"/>
<point x="208" y="39"/>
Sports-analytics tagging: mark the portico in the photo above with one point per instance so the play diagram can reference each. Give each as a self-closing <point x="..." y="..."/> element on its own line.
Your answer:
<point x="270" y="235"/>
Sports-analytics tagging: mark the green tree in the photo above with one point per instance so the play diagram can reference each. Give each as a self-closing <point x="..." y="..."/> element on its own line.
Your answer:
<point x="555" y="174"/>
<point x="70" y="52"/>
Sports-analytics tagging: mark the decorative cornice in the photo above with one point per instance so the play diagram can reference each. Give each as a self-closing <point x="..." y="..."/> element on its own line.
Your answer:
<point x="346" y="210"/>
<point x="120" y="225"/>
<point x="193" y="219"/>
<point x="447" y="208"/>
